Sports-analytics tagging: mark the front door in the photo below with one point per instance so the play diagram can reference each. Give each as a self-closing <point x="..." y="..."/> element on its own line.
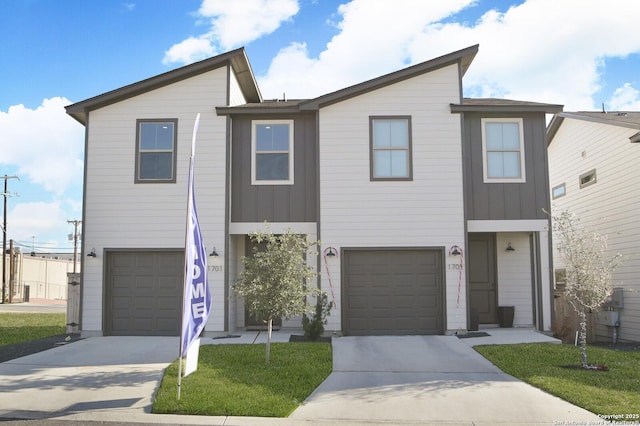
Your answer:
<point x="483" y="294"/>
<point x="250" y="321"/>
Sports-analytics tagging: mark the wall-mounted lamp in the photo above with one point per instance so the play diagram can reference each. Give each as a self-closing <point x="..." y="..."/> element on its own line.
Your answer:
<point x="93" y="253"/>
<point x="510" y="248"/>
<point x="455" y="251"/>
<point x="330" y="252"/>
<point x="214" y="253"/>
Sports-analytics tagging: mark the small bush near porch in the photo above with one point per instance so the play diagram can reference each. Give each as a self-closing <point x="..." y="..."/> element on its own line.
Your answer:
<point x="612" y="392"/>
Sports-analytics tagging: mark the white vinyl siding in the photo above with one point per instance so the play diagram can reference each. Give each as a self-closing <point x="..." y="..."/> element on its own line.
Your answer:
<point x="610" y="205"/>
<point x="120" y="214"/>
<point x="235" y="92"/>
<point x="424" y="212"/>
<point x="515" y="286"/>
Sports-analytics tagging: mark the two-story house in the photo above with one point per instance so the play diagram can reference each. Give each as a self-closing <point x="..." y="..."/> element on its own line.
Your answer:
<point x="593" y="169"/>
<point x="429" y="206"/>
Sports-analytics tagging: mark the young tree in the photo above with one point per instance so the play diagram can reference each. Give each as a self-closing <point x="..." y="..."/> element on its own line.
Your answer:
<point x="588" y="267"/>
<point x="275" y="278"/>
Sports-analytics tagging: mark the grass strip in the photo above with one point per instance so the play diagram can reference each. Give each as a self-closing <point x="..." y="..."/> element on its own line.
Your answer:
<point x="552" y="368"/>
<point x="25" y="326"/>
<point x="234" y="380"/>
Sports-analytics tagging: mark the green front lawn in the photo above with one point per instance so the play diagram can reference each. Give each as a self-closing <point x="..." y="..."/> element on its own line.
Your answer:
<point x="234" y="380"/>
<point x="612" y="392"/>
<point x="25" y="326"/>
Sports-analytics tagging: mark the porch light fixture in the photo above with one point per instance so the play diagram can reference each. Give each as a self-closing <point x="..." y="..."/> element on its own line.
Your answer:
<point x="510" y="248"/>
<point x="214" y="253"/>
<point x="93" y="253"/>
<point x="455" y="251"/>
<point x="330" y="252"/>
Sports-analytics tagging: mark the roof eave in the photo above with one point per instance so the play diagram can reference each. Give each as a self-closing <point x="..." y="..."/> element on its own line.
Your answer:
<point x="246" y="110"/>
<point x="557" y="120"/>
<point x="544" y="108"/>
<point x="236" y="58"/>
<point x="464" y="57"/>
<point x="553" y="127"/>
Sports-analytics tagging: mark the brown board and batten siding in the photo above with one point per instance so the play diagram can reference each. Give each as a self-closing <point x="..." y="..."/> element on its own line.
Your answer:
<point x="274" y="203"/>
<point x="506" y="201"/>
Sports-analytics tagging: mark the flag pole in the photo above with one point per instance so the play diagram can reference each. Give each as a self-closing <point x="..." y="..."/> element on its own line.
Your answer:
<point x="187" y="286"/>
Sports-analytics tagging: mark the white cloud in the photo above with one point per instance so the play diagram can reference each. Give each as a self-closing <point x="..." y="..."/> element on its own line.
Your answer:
<point x="625" y="98"/>
<point x="373" y="40"/>
<point x="540" y="50"/>
<point x="188" y="51"/>
<point x="39" y="219"/>
<point x="45" y="143"/>
<point x="232" y="23"/>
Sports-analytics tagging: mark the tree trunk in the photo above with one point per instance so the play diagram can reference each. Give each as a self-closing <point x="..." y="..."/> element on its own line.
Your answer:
<point x="269" y="328"/>
<point x="583" y="336"/>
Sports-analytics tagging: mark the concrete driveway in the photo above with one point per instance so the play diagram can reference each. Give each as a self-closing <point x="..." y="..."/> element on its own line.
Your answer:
<point x="395" y="380"/>
<point x="427" y="380"/>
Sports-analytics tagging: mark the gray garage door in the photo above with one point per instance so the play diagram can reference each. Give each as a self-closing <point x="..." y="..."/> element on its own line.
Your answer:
<point x="144" y="293"/>
<point x="393" y="292"/>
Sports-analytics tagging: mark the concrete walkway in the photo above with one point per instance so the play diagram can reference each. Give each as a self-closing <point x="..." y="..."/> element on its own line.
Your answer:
<point x="429" y="380"/>
<point x="390" y="380"/>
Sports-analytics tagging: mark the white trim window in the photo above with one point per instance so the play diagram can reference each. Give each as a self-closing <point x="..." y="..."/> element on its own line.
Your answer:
<point x="503" y="150"/>
<point x="272" y="152"/>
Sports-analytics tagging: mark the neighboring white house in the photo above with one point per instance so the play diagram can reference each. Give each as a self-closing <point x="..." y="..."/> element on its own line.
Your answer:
<point x="594" y="160"/>
<point x="429" y="205"/>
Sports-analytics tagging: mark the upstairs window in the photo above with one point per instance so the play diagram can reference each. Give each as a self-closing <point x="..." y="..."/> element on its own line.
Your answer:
<point x="559" y="191"/>
<point x="503" y="150"/>
<point x="272" y="152"/>
<point x="156" y="150"/>
<point x="390" y="148"/>
<point x="588" y="178"/>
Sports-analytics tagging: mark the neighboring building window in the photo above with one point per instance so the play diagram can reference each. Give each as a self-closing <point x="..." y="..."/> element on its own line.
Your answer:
<point x="503" y="150"/>
<point x="156" y="150"/>
<point x="272" y="152"/>
<point x="390" y="148"/>
<point x="558" y="191"/>
<point x="588" y="178"/>
<point x="561" y="278"/>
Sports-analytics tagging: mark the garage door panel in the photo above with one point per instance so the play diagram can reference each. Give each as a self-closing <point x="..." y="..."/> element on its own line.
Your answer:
<point x="394" y="292"/>
<point x="144" y="293"/>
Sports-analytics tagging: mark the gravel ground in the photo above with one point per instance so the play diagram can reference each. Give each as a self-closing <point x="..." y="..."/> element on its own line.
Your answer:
<point x="9" y="352"/>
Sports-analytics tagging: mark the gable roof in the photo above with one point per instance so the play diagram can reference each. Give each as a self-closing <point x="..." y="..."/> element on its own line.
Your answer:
<point x="503" y="105"/>
<point x="464" y="57"/>
<point x="628" y="119"/>
<point x="236" y="58"/>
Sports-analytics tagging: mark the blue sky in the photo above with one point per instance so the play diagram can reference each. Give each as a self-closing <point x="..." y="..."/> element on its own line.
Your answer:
<point x="579" y="53"/>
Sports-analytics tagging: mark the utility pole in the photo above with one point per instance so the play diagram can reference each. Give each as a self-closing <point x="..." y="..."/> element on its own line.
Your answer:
<point x="5" y="194"/>
<point x="75" y="241"/>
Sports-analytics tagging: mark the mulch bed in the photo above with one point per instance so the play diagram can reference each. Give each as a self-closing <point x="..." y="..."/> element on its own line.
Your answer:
<point x="296" y="338"/>
<point x="472" y="334"/>
<point x="17" y="350"/>
<point x="587" y="368"/>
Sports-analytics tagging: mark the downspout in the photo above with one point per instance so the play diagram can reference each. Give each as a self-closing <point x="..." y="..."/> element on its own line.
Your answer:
<point x="534" y="279"/>
<point x="227" y="207"/>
